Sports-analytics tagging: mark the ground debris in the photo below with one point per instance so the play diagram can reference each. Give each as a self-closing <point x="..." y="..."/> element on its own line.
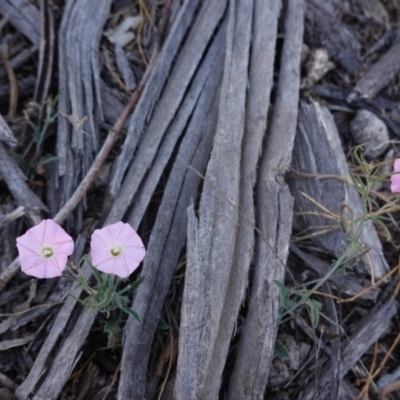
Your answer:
<point x="229" y="140"/>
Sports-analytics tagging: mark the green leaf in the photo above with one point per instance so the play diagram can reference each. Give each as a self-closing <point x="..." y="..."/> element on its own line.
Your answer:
<point x="20" y="160"/>
<point x="163" y="326"/>
<point x="377" y="221"/>
<point x="104" y="298"/>
<point x="97" y="275"/>
<point x="137" y="283"/>
<point x="283" y="294"/>
<point x="124" y="290"/>
<point x="67" y="276"/>
<point x="47" y="160"/>
<point x="133" y="313"/>
<point x="77" y="299"/>
<point x="280" y="350"/>
<point x="121" y="301"/>
<point x="36" y="132"/>
<point x="314" y="307"/>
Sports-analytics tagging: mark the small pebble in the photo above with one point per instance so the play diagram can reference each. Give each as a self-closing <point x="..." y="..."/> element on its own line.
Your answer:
<point x="370" y="132"/>
<point x="317" y="67"/>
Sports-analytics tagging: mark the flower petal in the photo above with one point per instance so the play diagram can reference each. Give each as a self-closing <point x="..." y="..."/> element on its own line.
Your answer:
<point x="99" y="250"/>
<point x="30" y="241"/>
<point x="112" y="266"/>
<point x="395" y="183"/>
<point x="397" y="165"/>
<point x="129" y="237"/>
<point x="395" y="179"/>
<point x="111" y="233"/>
<point x="124" y="236"/>
<point x="58" y="238"/>
<point x="30" y="247"/>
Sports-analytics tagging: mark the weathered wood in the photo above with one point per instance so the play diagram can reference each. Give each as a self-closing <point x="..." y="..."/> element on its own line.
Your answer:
<point x="56" y="298"/>
<point x="24" y="16"/>
<point x="66" y="358"/>
<point x="264" y="33"/>
<point x="193" y="306"/>
<point x="80" y="110"/>
<point x="13" y="102"/>
<point x="124" y="68"/>
<point x="379" y="75"/>
<point x="335" y="330"/>
<point x="274" y="219"/>
<point x="178" y="126"/>
<point x="6" y="134"/>
<point x="71" y="177"/>
<point x="59" y="375"/>
<point x="318" y="151"/>
<point x="152" y="91"/>
<point x="61" y="371"/>
<point x="370" y="329"/>
<point x="19" y="59"/>
<point x="16" y="182"/>
<point x="168" y="234"/>
<point x="375" y="105"/>
<point x="25" y="88"/>
<point x="345" y="285"/>
<point x="219" y="208"/>
<point x="9" y="213"/>
<point x="113" y="103"/>
<point x="181" y="76"/>
<point x="46" y="55"/>
<point x="59" y="330"/>
<point x="325" y="29"/>
<point x="348" y="392"/>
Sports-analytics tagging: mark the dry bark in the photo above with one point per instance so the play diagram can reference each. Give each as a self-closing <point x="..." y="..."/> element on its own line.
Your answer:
<point x="6" y="134"/>
<point x="370" y="329"/>
<point x="168" y="234"/>
<point x="80" y="104"/>
<point x="379" y="75"/>
<point x="46" y="55"/>
<point x="345" y="285"/>
<point x="343" y="97"/>
<point x="153" y="90"/>
<point x="324" y="28"/>
<point x="61" y="330"/>
<point x="16" y="182"/>
<point x="19" y="59"/>
<point x="318" y="152"/>
<point x="170" y="137"/>
<point x="24" y="16"/>
<point x="59" y="372"/>
<point x="264" y="31"/>
<point x="193" y="305"/>
<point x="219" y="205"/>
<point x="5" y="219"/>
<point x="181" y="76"/>
<point x="25" y="88"/>
<point x="274" y="219"/>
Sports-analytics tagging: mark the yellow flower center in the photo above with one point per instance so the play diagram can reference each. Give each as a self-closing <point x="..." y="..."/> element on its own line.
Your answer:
<point x="116" y="251"/>
<point x="47" y="252"/>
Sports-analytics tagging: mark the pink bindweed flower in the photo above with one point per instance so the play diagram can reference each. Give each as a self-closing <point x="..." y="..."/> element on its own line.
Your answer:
<point x="44" y="250"/>
<point x="395" y="179"/>
<point x="116" y="249"/>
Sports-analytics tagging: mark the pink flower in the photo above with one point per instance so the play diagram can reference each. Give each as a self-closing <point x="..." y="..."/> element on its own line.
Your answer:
<point x="116" y="249"/>
<point x="44" y="250"/>
<point x="395" y="179"/>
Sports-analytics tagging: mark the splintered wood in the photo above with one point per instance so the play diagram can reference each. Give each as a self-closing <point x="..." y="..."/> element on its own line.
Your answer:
<point x="319" y="156"/>
<point x="217" y="162"/>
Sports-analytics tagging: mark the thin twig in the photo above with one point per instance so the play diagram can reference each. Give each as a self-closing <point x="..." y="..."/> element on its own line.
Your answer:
<point x="13" y="82"/>
<point x="105" y="150"/>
